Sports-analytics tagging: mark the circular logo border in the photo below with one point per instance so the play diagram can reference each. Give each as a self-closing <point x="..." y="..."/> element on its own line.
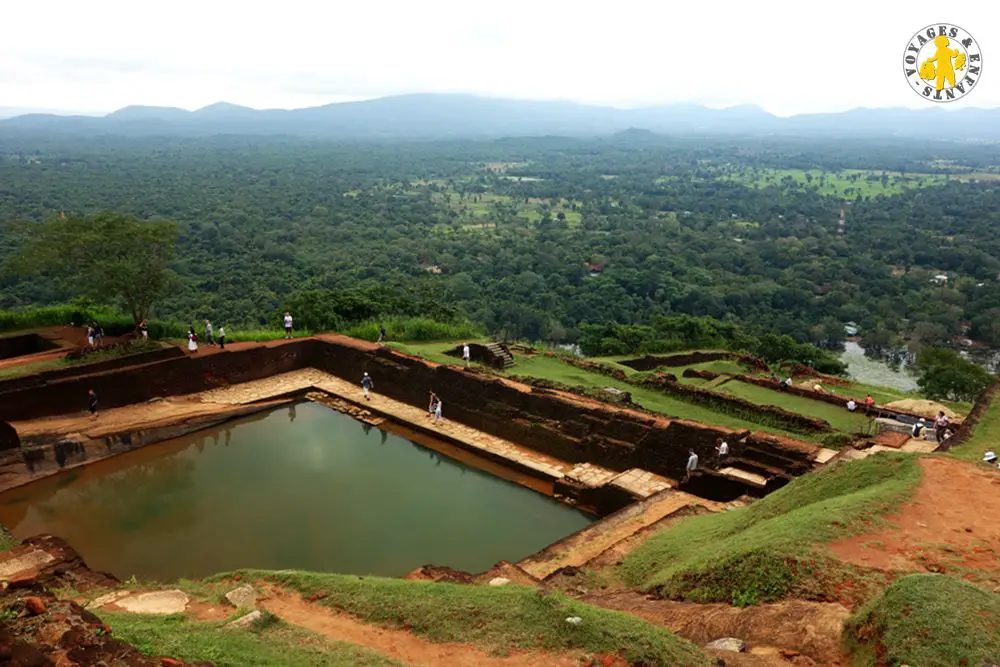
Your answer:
<point x="931" y="98"/>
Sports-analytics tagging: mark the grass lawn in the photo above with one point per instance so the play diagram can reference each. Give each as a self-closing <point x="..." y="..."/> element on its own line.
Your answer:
<point x="497" y="619"/>
<point x="839" y="417"/>
<point x="269" y="643"/>
<point x="931" y="620"/>
<point x="985" y="435"/>
<point x="771" y="548"/>
<point x="549" y="368"/>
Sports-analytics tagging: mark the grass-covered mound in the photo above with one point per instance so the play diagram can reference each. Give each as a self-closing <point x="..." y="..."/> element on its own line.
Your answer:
<point x="497" y="619"/>
<point x="929" y="620"/>
<point x="267" y="643"/>
<point x="771" y="549"/>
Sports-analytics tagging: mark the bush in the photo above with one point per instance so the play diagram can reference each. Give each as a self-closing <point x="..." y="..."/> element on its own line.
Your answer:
<point x="415" y="330"/>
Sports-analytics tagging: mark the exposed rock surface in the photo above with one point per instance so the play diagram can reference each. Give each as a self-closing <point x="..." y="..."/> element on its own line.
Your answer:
<point x="243" y="597"/>
<point x="245" y="621"/>
<point x="155" y="602"/>
<point x="728" y="644"/>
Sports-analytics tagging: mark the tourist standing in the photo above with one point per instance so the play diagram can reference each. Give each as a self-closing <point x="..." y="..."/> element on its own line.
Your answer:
<point x="437" y="411"/>
<point x="288" y="325"/>
<point x="366" y="385"/>
<point x="466" y="354"/>
<point x="90" y="335"/>
<point x="192" y="340"/>
<point x="941" y="426"/>
<point x="92" y="403"/>
<point x="430" y="406"/>
<point x="208" y="333"/>
<point x="869" y="404"/>
<point x="144" y="330"/>
<point x="722" y="451"/>
<point x="381" y="334"/>
<point x="222" y="337"/>
<point x="691" y="466"/>
<point x="98" y="334"/>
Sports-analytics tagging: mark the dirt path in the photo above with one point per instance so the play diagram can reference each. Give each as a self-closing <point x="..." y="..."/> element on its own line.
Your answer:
<point x="400" y="644"/>
<point x="810" y="628"/>
<point x="949" y="525"/>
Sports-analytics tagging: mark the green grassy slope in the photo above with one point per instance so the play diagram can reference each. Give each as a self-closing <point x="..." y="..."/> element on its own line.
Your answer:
<point x="771" y="548"/>
<point x="267" y="643"/>
<point x="497" y="619"/>
<point x="929" y="620"/>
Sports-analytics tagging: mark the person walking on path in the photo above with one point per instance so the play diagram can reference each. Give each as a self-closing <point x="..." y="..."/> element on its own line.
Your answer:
<point x="90" y="335"/>
<point x="92" y="403"/>
<point x="691" y="466"/>
<point x="288" y="325"/>
<point x="192" y="340"/>
<point x="437" y="411"/>
<point x="466" y="354"/>
<point x="144" y="329"/>
<point x="430" y="406"/>
<point x="209" y="338"/>
<point x="366" y="385"/>
<point x="381" y="335"/>
<point x="722" y="452"/>
<point x="222" y="337"/>
<point x="941" y="426"/>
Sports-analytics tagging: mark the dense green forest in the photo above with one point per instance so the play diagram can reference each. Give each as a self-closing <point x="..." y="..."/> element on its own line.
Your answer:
<point x="536" y="238"/>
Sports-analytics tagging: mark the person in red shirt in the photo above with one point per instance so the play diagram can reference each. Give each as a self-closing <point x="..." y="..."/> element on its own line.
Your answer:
<point x="869" y="404"/>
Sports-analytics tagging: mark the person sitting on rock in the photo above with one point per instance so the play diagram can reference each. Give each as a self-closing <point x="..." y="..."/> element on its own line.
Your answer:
<point x="919" y="428"/>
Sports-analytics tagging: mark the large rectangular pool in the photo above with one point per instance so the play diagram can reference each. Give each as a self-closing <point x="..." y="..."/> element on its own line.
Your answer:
<point x="303" y="487"/>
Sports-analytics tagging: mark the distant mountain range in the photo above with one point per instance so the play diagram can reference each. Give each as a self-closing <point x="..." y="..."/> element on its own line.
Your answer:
<point x="468" y="116"/>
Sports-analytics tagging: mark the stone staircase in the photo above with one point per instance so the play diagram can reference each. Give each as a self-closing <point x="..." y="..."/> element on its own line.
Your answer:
<point x="501" y="352"/>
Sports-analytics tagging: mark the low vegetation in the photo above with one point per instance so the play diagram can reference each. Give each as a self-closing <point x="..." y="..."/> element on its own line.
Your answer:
<point x="929" y="620"/>
<point x="498" y="619"/>
<point x="268" y="643"/>
<point x="771" y="549"/>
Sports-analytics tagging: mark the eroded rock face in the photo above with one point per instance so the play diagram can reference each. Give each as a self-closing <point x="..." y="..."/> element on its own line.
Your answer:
<point x="42" y="630"/>
<point x="8" y="437"/>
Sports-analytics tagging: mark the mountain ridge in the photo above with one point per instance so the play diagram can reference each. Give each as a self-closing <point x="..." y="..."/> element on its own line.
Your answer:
<point x="435" y="115"/>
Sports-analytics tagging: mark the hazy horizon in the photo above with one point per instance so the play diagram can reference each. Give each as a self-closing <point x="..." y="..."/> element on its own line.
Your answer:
<point x="95" y="61"/>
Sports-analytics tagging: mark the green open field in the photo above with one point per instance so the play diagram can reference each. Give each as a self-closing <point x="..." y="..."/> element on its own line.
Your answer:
<point x="849" y="182"/>
<point x="839" y="417"/>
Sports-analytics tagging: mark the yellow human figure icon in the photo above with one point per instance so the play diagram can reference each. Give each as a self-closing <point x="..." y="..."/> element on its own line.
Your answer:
<point x="940" y="65"/>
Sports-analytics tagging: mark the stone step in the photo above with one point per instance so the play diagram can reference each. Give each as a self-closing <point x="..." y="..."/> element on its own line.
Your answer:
<point x="740" y="475"/>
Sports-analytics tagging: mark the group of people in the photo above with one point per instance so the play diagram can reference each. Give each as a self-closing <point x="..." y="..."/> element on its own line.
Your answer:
<point x="721" y="457"/>
<point x="852" y="405"/>
<point x="95" y="335"/>
<point x="210" y="337"/>
<point x="942" y="427"/>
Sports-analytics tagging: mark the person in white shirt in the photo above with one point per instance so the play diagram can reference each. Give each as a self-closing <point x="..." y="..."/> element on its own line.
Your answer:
<point x="918" y="428"/>
<point x="723" y="453"/>
<point x="466" y="354"/>
<point x="692" y="464"/>
<point x="941" y="426"/>
<point x="288" y="325"/>
<point x="437" y="411"/>
<point x="851" y="405"/>
<point x="222" y="338"/>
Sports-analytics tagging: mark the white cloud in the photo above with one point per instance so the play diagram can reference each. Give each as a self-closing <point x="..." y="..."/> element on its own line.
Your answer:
<point x="788" y="57"/>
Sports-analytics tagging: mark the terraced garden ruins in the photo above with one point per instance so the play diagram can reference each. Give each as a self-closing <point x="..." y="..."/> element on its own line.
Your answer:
<point x="801" y="548"/>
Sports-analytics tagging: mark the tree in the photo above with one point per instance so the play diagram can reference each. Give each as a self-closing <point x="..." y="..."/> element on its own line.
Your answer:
<point x="108" y="256"/>
<point x="945" y="374"/>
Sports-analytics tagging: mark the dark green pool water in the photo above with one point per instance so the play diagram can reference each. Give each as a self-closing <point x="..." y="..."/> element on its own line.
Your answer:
<point x="299" y="488"/>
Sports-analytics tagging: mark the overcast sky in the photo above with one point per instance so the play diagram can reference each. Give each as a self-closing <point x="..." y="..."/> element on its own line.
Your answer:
<point x="788" y="57"/>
